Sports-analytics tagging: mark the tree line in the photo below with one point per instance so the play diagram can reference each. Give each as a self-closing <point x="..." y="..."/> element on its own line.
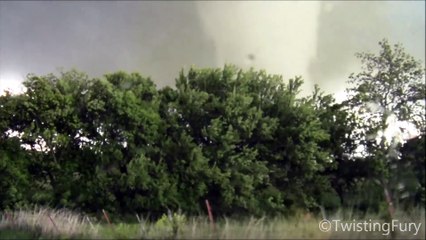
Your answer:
<point x="243" y="139"/>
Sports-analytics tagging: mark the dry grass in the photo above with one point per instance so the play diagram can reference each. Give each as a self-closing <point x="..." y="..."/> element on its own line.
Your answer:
<point x="47" y="222"/>
<point x="72" y="225"/>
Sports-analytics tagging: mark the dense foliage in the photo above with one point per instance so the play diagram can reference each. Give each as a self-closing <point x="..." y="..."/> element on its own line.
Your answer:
<point x="244" y="140"/>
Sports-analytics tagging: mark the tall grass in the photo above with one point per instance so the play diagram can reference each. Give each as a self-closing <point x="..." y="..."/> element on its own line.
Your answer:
<point x="66" y="224"/>
<point x="47" y="223"/>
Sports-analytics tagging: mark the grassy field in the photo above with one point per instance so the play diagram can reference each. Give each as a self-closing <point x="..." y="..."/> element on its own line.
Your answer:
<point x="53" y="224"/>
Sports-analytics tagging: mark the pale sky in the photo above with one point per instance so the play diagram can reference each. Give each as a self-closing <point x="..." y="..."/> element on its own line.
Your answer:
<point x="316" y="40"/>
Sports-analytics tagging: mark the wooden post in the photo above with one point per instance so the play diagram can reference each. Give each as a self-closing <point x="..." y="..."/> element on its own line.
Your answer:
<point x="106" y="216"/>
<point x="209" y="210"/>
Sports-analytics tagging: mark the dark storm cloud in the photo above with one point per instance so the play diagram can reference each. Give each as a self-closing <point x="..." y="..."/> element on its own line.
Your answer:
<point x="154" y="38"/>
<point x="345" y="28"/>
<point x="314" y="39"/>
<point x="277" y="36"/>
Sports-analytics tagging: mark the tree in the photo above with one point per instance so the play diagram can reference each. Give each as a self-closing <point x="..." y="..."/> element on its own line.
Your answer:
<point x="242" y="139"/>
<point x="214" y="108"/>
<point x="81" y="137"/>
<point x="413" y="160"/>
<point x="259" y="141"/>
<point x="15" y="179"/>
<point x="390" y="88"/>
<point x="342" y="172"/>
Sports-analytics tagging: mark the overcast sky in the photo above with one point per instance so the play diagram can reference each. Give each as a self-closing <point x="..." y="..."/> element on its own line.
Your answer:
<point x="316" y="40"/>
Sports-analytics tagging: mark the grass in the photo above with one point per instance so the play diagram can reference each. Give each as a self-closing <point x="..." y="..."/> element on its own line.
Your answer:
<point x="46" y="223"/>
<point x="43" y="222"/>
